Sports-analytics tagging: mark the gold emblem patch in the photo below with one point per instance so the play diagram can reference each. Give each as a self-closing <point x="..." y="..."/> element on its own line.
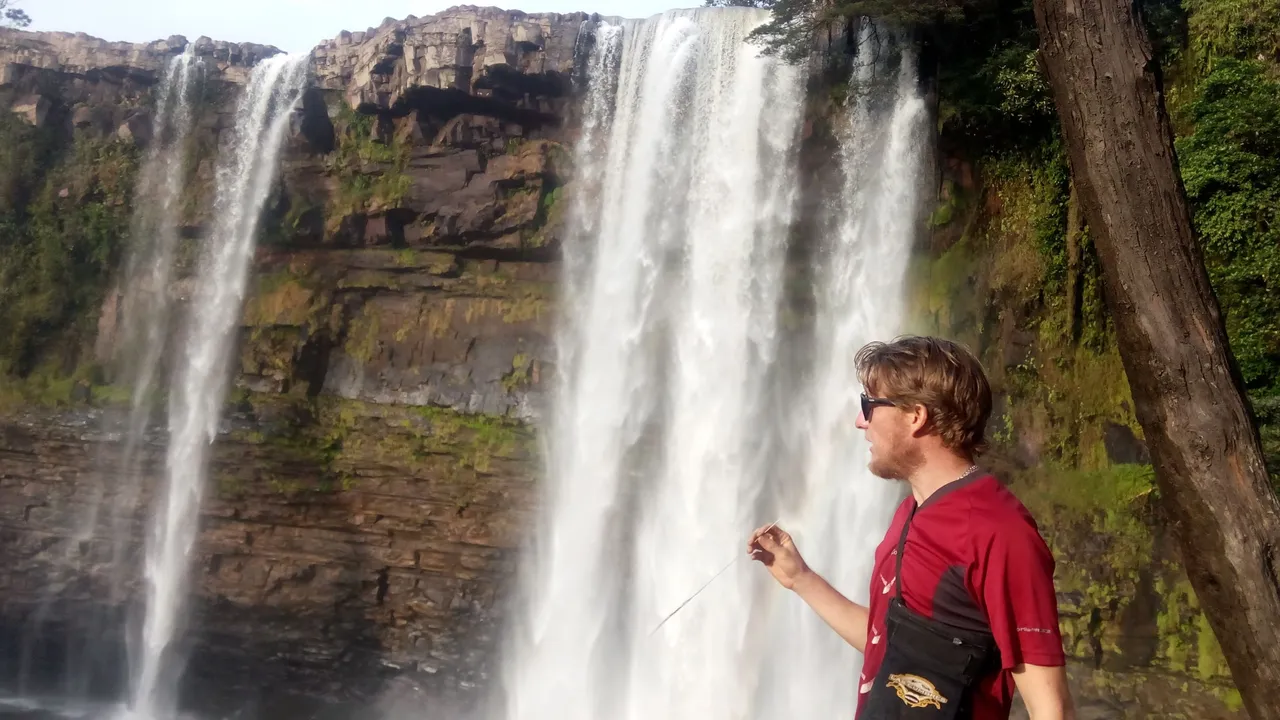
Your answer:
<point x="916" y="692"/>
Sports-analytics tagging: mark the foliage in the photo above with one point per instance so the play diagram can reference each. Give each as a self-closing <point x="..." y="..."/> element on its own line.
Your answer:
<point x="992" y="93"/>
<point x="13" y="16"/>
<point x="1231" y="168"/>
<point x="25" y="154"/>
<point x="1244" y="29"/>
<point x="1043" y="171"/>
<point x="370" y="171"/>
<point x="794" y="24"/>
<point x="63" y="218"/>
<point x="1267" y="410"/>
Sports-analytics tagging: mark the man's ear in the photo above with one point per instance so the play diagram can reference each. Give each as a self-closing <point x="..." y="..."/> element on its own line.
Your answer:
<point x="917" y="418"/>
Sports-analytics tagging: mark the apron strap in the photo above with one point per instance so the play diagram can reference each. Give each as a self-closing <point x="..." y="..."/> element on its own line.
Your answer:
<point x="906" y="526"/>
<point x="902" y="546"/>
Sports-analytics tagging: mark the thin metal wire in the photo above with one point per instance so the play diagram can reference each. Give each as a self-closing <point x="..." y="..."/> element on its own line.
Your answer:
<point x="704" y="587"/>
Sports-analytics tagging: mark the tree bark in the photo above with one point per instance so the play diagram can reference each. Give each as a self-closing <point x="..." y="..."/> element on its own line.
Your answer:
<point x="1186" y="387"/>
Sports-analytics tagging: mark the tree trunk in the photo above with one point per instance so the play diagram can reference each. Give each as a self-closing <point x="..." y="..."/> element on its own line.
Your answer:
<point x="1186" y="387"/>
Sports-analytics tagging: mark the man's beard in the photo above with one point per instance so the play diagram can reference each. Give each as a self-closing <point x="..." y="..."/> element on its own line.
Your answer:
<point x="897" y="462"/>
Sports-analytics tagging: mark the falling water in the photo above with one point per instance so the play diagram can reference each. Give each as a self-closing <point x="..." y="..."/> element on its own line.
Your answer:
<point x="246" y="170"/>
<point x="145" y="283"/>
<point x="870" y="228"/>
<point x="671" y="416"/>
<point x="673" y="284"/>
<point x="147" y="305"/>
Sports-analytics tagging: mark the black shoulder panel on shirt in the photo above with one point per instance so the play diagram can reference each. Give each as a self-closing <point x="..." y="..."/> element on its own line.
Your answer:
<point x="953" y="605"/>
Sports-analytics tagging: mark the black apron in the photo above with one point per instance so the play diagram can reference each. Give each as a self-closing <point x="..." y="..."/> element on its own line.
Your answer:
<point x="929" y="668"/>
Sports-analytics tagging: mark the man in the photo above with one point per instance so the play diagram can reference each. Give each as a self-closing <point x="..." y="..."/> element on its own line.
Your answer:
<point x="963" y="608"/>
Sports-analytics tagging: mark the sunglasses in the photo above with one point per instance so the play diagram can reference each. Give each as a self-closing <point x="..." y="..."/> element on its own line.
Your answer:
<point x="870" y="403"/>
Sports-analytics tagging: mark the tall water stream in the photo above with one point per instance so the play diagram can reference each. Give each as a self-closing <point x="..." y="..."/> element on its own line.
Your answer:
<point x="677" y="426"/>
<point x="246" y="168"/>
<point x="106" y="530"/>
<point x="194" y="373"/>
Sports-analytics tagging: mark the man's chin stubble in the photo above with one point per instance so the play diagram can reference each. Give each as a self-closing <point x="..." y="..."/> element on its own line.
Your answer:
<point x="891" y="474"/>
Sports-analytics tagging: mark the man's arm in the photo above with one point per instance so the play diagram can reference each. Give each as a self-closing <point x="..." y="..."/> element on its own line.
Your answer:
<point x="1044" y="691"/>
<point x="773" y="547"/>
<point x="846" y="617"/>
<point x="1021" y="603"/>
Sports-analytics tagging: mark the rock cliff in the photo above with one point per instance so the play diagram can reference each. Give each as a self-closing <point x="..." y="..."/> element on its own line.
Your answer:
<point x="376" y="468"/>
<point x="479" y="53"/>
<point x="341" y="541"/>
<point x="82" y="55"/>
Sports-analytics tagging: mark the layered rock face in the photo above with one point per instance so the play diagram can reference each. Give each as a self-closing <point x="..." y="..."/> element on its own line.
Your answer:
<point x="80" y="54"/>
<point x="373" y="481"/>
<point x="341" y="543"/>
<point x="83" y="74"/>
<point x="511" y="57"/>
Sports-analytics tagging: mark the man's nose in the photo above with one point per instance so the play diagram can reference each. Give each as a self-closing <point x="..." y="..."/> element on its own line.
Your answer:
<point x="861" y="422"/>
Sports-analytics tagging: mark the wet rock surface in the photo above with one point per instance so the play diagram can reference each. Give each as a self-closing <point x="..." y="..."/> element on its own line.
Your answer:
<point x="375" y="469"/>
<point x="341" y="542"/>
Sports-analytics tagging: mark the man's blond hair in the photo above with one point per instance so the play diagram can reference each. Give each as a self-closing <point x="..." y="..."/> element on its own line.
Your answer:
<point x="939" y="374"/>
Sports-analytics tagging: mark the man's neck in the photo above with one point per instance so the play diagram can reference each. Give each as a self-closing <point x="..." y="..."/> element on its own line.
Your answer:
<point x="936" y="474"/>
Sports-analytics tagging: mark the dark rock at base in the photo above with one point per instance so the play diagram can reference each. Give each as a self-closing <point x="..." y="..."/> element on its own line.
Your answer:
<point x="1123" y="447"/>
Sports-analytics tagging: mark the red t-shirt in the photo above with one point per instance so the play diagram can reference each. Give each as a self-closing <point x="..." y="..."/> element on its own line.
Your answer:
<point x="974" y="559"/>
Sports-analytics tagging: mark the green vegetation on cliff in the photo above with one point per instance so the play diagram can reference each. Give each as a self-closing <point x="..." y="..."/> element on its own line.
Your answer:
<point x="369" y="170"/>
<point x="1013" y="273"/>
<point x="1224" y="84"/>
<point x="327" y="444"/>
<point x="1231" y="166"/>
<point x="64" y="217"/>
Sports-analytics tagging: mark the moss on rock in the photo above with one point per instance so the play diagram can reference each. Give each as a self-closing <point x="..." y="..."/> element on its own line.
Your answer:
<point x="1017" y="282"/>
<point x="335" y="441"/>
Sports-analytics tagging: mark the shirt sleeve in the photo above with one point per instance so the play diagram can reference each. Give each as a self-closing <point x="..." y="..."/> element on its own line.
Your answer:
<point x="1015" y="582"/>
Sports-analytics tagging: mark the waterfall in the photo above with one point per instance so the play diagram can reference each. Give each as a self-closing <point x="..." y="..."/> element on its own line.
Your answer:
<point x="195" y="374"/>
<point x="247" y="167"/>
<point x="676" y="427"/>
<point x="147" y="279"/>
<point x="145" y="282"/>
<point x="655" y="471"/>
<point x="869" y="228"/>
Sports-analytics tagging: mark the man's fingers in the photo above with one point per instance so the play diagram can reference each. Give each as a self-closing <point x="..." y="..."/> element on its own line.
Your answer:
<point x="755" y="534"/>
<point x="769" y="538"/>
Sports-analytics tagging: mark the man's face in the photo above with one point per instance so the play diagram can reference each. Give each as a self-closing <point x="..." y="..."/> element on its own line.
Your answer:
<point x="895" y="453"/>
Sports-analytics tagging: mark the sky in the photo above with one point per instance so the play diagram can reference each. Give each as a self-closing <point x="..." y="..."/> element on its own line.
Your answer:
<point x="294" y="26"/>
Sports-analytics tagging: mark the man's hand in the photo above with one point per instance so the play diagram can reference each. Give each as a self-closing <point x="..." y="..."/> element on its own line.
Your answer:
<point x="774" y="548"/>
<point x="1044" y="691"/>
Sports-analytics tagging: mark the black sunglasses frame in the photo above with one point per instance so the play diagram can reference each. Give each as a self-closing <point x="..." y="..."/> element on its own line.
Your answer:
<point x="870" y="403"/>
